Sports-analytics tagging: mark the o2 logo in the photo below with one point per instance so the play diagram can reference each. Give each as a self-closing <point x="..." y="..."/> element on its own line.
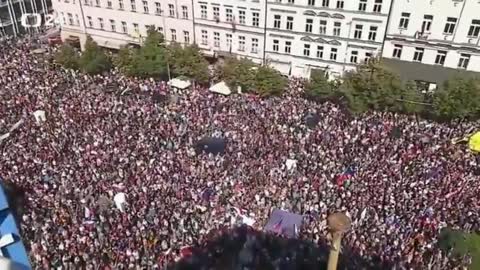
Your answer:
<point x="29" y="20"/>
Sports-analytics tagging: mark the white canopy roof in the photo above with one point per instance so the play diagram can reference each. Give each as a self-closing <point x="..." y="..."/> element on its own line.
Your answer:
<point x="221" y="88"/>
<point x="39" y="51"/>
<point x="180" y="84"/>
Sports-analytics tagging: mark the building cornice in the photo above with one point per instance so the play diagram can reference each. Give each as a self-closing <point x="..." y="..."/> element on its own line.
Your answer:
<point x="442" y="44"/>
<point x="369" y="42"/>
<point x="312" y="59"/>
<point x="332" y="10"/>
<point x="237" y="29"/>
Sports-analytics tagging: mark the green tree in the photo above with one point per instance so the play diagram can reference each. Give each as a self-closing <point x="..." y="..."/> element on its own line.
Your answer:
<point x="93" y="60"/>
<point x="239" y="72"/>
<point x="146" y="61"/>
<point x="458" y="99"/>
<point x="372" y="86"/>
<point x="411" y="99"/>
<point x="269" y="82"/>
<point x="67" y="57"/>
<point x="150" y="59"/>
<point x="123" y="60"/>
<point x="461" y="244"/>
<point x="153" y="38"/>
<point x="188" y="62"/>
<point x="318" y="87"/>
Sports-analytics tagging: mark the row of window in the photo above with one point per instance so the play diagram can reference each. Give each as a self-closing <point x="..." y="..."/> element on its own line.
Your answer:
<point x="319" y="52"/>
<point x="362" y="6"/>
<point x="463" y="61"/>
<point x="339" y="4"/>
<point x="146" y="8"/>
<point x="323" y="27"/>
<point x="228" y="41"/>
<point x="287" y="47"/>
<point x="69" y="19"/>
<point x="229" y="15"/>
<point x="136" y="28"/>
<point x="450" y="25"/>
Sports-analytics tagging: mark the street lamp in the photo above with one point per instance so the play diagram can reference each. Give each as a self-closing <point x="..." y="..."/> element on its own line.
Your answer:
<point x="162" y="14"/>
<point x="166" y="58"/>
<point x="338" y="224"/>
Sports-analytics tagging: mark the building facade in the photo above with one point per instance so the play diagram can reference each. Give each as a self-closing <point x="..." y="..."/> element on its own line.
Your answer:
<point x="113" y="23"/>
<point x="294" y="36"/>
<point x="11" y="14"/>
<point x="436" y="33"/>
<point x="231" y="27"/>
<point x="331" y="35"/>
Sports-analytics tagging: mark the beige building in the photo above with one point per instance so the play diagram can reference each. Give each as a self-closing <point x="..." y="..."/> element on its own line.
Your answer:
<point x="331" y="35"/>
<point x="231" y="27"/>
<point x="113" y="23"/>
<point x="294" y="36"/>
<point x="434" y="37"/>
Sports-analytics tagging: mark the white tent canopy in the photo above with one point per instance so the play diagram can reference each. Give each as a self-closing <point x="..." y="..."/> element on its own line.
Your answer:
<point x="120" y="200"/>
<point x="39" y="116"/>
<point x="39" y="51"/>
<point x="291" y="164"/>
<point x="180" y="84"/>
<point x="221" y="88"/>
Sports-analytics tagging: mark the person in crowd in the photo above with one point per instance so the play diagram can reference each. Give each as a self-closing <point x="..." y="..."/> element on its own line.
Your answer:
<point x="95" y="145"/>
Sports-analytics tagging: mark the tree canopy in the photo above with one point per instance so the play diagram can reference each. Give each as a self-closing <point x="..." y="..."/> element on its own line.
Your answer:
<point x="93" y="60"/>
<point x="239" y="72"/>
<point x="372" y="86"/>
<point x="67" y="57"/>
<point x="411" y="99"/>
<point x="252" y="78"/>
<point x="146" y="61"/>
<point x="153" y="38"/>
<point x="458" y="98"/>
<point x="461" y="244"/>
<point x="188" y="62"/>
<point x="269" y="82"/>
<point x="318" y="87"/>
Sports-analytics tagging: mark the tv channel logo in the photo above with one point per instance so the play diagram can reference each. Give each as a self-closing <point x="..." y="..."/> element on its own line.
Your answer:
<point x="34" y="20"/>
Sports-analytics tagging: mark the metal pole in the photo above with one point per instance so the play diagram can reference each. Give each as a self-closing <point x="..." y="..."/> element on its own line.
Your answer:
<point x="414" y="102"/>
<point x="168" y="69"/>
<point x="162" y="12"/>
<point x="345" y="56"/>
<point x="385" y="34"/>
<point x="193" y="24"/>
<point x="265" y="33"/>
<point x="167" y="60"/>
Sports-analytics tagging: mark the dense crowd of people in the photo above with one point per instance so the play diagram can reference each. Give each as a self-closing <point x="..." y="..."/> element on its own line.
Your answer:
<point x="104" y="135"/>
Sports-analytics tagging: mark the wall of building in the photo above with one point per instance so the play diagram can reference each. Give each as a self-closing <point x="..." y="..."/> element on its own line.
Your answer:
<point x="116" y="23"/>
<point x="340" y="47"/>
<point x="435" y="38"/>
<point x="231" y="27"/>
